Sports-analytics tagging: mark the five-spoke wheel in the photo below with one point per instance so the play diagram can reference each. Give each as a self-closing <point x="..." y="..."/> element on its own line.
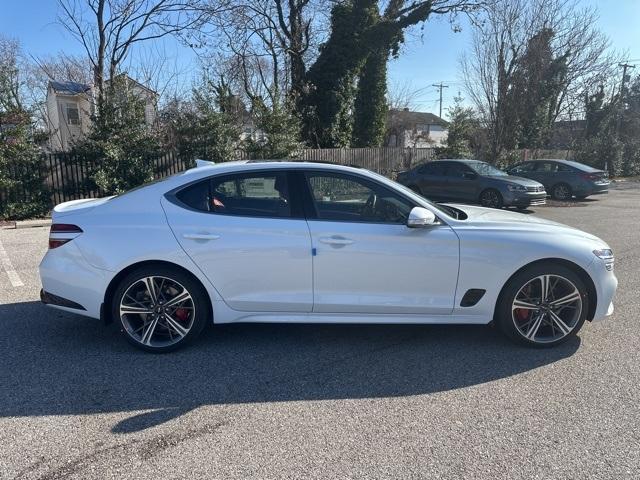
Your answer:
<point x="543" y="305"/>
<point x="160" y="309"/>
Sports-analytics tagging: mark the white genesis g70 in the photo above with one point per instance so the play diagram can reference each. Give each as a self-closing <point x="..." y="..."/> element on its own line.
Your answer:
<point x="316" y="243"/>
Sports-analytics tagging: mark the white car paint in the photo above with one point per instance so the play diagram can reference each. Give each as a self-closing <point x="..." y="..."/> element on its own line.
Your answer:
<point x="264" y="270"/>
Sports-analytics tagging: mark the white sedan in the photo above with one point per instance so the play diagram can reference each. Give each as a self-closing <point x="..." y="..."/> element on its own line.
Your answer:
<point x="316" y="243"/>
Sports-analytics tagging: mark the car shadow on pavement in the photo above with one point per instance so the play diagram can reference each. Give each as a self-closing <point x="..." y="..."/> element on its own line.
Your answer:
<point x="54" y="363"/>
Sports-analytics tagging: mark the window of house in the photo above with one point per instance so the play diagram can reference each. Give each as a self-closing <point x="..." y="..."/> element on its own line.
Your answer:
<point x="347" y="198"/>
<point x="73" y="114"/>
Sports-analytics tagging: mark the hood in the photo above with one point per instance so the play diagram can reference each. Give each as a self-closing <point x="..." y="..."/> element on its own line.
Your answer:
<point x="491" y="218"/>
<point x="526" y="182"/>
<point x="78" y="206"/>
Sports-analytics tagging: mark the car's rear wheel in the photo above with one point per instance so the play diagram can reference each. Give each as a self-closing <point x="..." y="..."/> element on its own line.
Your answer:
<point x="160" y="308"/>
<point x="543" y="305"/>
<point x="561" y="191"/>
<point x="491" y="198"/>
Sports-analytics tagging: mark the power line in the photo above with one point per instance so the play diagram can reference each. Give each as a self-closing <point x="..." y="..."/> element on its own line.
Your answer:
<point x="440" y="86"/>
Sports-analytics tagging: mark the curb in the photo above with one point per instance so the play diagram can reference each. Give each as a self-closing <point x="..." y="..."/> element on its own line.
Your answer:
<point x="45" y="222"/>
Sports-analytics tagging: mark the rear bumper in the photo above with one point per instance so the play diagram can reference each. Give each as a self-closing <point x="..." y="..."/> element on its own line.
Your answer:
<point x="592" y="189"/>
<point x="69" y="281"/>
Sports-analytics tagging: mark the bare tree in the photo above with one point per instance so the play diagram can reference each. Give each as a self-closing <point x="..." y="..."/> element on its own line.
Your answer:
<point x="401" y="95"/>
<point x="500" y="40"/>
<point x="109" y="29"/>
<point x="11" y="79"/>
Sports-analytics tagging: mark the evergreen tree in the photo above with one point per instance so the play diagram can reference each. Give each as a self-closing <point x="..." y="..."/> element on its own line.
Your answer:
<point x="281" y="133"/>
<point x="461" y="129"/>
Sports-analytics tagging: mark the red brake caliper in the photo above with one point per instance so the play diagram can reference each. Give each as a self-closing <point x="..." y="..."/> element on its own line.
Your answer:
<point x="182" y="314"/>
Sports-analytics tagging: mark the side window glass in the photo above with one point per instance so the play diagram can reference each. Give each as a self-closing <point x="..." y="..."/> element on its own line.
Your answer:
<point x="346" y="198"/>
<point x="259" y="195"/>
<point x="523" y="168"/>
<point x="457" y="170"/>
<point x="433" y="168"/>
<point x="196" y="196"/>
<point x="546" y="167"/>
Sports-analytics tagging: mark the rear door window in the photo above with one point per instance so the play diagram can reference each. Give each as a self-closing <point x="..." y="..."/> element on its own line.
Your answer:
<point x="247" y="194"/>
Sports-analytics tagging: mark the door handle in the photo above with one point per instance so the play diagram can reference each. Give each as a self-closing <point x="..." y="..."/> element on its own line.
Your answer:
<point x="336" y="240"/>
<point x="200" y="236"/>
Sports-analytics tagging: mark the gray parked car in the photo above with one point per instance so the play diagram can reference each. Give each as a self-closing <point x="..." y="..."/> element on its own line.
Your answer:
<point x="564" y="179"/>
<point x="472" y="181"/>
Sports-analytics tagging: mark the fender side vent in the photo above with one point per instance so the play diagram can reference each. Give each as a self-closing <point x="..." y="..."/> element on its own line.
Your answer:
<point x="472" y="297"/>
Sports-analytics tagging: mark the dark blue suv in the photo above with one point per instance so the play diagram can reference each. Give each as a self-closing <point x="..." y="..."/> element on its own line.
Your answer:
<point x="564" y="179"/>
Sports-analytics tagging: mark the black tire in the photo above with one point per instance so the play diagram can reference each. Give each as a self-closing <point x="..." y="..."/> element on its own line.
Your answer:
<point x="506" y="316"/>
<point x="491" y="198"/>
<point x="195" y="312"/>
<point x="561" y="191"/>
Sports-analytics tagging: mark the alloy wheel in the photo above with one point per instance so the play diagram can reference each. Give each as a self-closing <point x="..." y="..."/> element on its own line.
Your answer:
<point x="562" y="192"/>
<point x="547" y="308"/>
<point x="157" y="311"/>
<point x="491" y="199"/>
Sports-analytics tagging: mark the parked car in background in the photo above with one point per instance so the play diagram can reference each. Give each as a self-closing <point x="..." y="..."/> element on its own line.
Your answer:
<point x="305" y="242"/>
<point x="472" y="181"/>
<point x="564" y="179"/>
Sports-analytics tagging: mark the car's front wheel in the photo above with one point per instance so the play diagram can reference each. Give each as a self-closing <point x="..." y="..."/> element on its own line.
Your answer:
<point x="491" y="198"/>
<point x="543" y="305"/>
<point x="160" y="308"/>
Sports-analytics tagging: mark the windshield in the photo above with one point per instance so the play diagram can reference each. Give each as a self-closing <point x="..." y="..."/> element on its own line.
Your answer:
<point x="482" y="168"/>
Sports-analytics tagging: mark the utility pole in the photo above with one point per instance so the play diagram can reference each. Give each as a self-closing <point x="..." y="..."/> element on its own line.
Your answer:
<point x="440" y="86"/>
<point x="624" y="66"/>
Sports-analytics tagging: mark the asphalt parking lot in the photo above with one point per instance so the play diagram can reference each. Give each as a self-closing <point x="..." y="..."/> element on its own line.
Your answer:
<point x="278" y="401"/>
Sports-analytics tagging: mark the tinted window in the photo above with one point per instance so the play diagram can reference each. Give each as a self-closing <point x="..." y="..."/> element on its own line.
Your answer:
<point x="457" y="170"/>
<point x="252" y="195"/>
<point x="547" y="167"/>
<point x="433" y="168"/>
<point x="196" y="196"/>
<point x="523" y="168"/>
<point x="347" y="198"/>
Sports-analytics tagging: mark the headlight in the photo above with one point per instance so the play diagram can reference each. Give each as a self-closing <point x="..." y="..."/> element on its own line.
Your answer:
<point x="514" y="187"/>
<point x="605" y="254"/>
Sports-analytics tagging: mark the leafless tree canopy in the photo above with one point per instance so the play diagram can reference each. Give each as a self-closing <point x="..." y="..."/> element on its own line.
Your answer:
<point x="109" y="29"/>
<point x="501" y="38"/>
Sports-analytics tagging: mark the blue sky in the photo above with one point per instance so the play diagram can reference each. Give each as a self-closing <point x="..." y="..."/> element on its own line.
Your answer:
<point x="428" y="57"/>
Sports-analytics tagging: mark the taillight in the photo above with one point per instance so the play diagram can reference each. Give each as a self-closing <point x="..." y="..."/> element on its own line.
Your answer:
<point x="62" y="233"/>
<point x="591" y="176"/>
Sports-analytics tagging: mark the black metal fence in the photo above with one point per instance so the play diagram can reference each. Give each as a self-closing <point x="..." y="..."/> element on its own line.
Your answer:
<point x="70" y="177"/>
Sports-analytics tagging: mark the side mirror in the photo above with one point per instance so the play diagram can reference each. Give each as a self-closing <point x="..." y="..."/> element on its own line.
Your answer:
<point x="470" y="175"/>
<point x="420" y="217"/>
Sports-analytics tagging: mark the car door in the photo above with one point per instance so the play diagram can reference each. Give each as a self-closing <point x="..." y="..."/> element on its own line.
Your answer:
<point x="432" y="180"/>
<point x="367" y="260"/>
<point x="545" y="173"/>
<point x="461" y="182"/>
<point x="248" y="235"/>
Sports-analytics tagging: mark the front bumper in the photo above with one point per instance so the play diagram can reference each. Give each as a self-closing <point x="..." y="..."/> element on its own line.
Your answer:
<point x="524" y="199"/>
<point x="606" y="284"/>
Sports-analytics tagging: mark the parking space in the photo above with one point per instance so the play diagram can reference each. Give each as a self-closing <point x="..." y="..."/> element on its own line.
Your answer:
<point x="278" y="401"/>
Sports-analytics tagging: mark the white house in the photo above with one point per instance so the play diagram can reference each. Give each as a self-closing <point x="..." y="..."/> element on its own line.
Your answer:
<point x="70" y="106"/>
<point x="69" y="109"/>
<point x="415" y="129"/>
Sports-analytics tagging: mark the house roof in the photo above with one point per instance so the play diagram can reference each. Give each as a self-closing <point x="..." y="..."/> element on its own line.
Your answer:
<point x="69" y="88"/>
<point x="407" y="117"/>
<point x="127" y="78"/>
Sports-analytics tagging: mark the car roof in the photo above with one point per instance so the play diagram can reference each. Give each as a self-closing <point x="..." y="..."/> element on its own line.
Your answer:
<point x="570" y="163"/>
